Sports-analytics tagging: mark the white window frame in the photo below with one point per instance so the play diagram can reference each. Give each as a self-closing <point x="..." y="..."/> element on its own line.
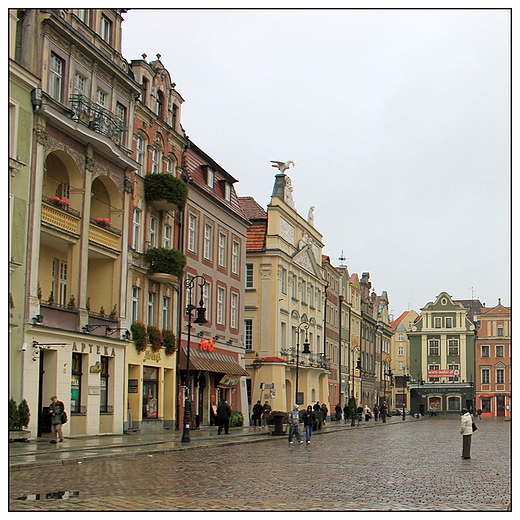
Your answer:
<point x="221" y="303"/>
<point x="155" y="160"/>
<point x="56" y="72"/>
<point x="248" y="334"/>
<point x="234" y="310"/>
<point x="167" y="236"/>
<point x="139" y="153"/>
<point x="283" y="280"/>
<point x="150" y="308"/>
<point x="152" y="235"/>
<point x="222" y="245"/>
<point x="165" y="312"/>
<point x="208" y="241"/>
<point x="136" y="293"/>
<point x="192" y="233"/>
<point x="210" y="177"/>
<point x="136" y="227"/>
<point x="453" y="347"/>
<point x="433" y="344"/>
<point x="80" y="83"/>
<point x="105" y="29"/>
<point x="235" y="257"/>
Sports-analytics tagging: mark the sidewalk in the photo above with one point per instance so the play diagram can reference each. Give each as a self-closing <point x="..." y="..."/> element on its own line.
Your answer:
<point x="76" y="450"/>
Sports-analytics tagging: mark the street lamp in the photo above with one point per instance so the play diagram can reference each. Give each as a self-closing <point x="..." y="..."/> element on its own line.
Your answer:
<point x="302" y="325"/>
<point x="200" y="319"/>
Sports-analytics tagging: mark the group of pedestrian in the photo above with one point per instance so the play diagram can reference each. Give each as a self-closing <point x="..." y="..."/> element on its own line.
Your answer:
<point x="308" y="417"/>
<point x="261" y="414"/>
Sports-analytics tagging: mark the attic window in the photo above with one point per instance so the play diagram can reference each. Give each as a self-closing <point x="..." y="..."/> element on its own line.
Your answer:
<point x="227" y="191"/>
<point x="210" y="177"/>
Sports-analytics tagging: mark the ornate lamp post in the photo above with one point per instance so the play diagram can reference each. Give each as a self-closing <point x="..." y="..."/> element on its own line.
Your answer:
<point x="302" y="325"/>
<point x="200" y="319"/>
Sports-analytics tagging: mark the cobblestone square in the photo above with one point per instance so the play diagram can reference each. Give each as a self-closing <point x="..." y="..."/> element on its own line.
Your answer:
<point x="413" y="466"/>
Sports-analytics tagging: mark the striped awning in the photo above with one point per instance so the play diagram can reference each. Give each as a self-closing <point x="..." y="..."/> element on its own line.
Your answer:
<point x="208" y="361"/>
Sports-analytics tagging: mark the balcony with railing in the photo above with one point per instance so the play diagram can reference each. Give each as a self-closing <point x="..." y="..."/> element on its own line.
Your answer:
<point x="103" y="233"/>
<point x="57" y="213"/>
<point x="97" y="118"/>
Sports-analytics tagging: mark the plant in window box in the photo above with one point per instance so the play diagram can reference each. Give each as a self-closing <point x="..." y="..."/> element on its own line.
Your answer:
<point x="59" y="202"/>
<point x="155" y="337"/>
<point x="169" y="342"/>
<point x="139" y="336"/>
<point x="103" y="222"/>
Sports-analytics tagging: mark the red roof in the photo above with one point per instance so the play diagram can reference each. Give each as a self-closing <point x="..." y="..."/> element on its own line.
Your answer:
<point x="273" y="359"/>
<point x="257" y="232"/>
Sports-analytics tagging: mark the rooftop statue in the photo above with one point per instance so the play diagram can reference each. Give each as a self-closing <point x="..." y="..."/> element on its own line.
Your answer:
<point x="282" y="166"/>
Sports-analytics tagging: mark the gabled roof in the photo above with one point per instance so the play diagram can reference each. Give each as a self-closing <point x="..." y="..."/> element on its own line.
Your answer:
<point x="257" y="232"/>
<point x="251" y="208"/>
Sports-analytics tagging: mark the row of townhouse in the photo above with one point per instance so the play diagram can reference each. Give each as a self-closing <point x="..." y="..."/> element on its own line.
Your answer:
<point x="455" y="354"/>
<point x="313" y="332"/>
<point x="121" y="228"/>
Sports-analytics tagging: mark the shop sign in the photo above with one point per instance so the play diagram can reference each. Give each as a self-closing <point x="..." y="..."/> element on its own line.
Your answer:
<point x="228" y="380"/>
<point x="207" y="344"/>
<point x="266" y="386"/>
<point x="93" y="349"/>
<point x="447" y="372"/>
<point x="132" y="386"/>
<point x="153" y="356"/>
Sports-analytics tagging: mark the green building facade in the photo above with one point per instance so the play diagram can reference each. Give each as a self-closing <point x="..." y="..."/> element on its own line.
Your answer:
<point x="442" y="358"/>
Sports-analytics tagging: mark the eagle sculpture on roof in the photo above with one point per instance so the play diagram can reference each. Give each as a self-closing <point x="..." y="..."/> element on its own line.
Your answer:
<point x="282" y="166"/>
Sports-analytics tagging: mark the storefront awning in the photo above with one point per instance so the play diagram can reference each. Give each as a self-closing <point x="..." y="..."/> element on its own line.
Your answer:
<point x="208" y="361"/>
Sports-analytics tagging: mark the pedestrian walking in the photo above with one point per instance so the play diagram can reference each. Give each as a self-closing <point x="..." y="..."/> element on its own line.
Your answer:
<point x="223" y="414"/>
<point x="266" y="414"/>
<point x="466" y="429"/>
<point x="294" y="425"/>
<point x="479" y="414"/>
<point x="308" y="417"/>
<point x="257" y="414"/>
<point x="382" y="411"/>
<point x="325" y="411"/>
<point x="376" y="412"/>
<point x="317" y="407"/>
<point x="367" y="412"/>
<point x="337" y="409"/>
<point x="58" y="417"/>
<point x="346" y="413"/>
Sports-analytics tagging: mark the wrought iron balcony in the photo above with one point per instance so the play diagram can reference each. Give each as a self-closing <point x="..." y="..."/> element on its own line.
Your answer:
<point x="97" y="118"/>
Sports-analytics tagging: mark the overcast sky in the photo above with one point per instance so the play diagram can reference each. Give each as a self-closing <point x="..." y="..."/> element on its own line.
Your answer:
<point x="398" y="122"/>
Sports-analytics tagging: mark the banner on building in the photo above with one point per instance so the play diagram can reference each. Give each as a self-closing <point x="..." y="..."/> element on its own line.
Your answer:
<point x="447" y="372"/>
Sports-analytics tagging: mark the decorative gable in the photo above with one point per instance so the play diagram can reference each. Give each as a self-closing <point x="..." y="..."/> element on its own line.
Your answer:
<point x="306" y="259"/>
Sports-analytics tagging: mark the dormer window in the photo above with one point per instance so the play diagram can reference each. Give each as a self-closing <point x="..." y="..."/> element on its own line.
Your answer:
<point x="210" y="177"/>
<point x="227" y="191"/>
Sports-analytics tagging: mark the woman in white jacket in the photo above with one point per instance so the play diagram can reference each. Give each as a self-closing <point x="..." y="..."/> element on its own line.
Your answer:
<point x="466" y="429"/>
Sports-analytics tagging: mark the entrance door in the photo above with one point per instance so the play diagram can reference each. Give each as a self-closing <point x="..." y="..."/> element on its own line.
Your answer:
<point x="501" y="406"/>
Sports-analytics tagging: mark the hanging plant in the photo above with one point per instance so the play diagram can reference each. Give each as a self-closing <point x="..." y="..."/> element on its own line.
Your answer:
<point x="169" y="342"/>
<point x="155" y="337"/>
<point x="139" y="336"/>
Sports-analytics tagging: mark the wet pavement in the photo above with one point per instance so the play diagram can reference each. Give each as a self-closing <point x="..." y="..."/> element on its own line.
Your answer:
<point x="411" y="465"/>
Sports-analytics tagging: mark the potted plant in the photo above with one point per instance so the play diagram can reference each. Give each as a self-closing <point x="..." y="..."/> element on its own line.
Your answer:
<point x="236" y="419"/>
<point x="103" y="222"/>
<point x="19" y="416"/>
<point x="58" y="202"/>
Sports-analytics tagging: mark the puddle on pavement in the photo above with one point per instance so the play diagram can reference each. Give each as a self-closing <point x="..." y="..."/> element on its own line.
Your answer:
<point x="57" y="495"/>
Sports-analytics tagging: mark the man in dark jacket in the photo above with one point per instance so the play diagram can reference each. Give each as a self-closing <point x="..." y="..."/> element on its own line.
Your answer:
<point x="257" y="413"/>
<point x="223" y="414"/>
<point x="309" y="418"/>
<point x="56" y="410"/>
